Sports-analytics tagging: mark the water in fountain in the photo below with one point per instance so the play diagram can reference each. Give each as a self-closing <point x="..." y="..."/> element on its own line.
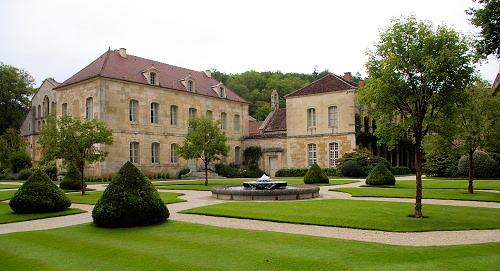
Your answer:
<point x="265" y="182"/>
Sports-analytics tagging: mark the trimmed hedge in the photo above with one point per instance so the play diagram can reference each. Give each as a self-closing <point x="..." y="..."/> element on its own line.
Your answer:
<point x="72" y="180"/>
<point x="380" y="175"/>
<point x="400" y="170"/>
<point x="130" y="200"/>
<point x="484" y="165"/>
<point x="39" y="195"/>
<point x="315" y="175"/>
<point x="292" y="172"/>
<point x="351" y="168"/>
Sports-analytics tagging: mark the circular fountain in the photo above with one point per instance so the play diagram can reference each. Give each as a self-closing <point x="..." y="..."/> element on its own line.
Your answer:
<point x="265" y="189"/>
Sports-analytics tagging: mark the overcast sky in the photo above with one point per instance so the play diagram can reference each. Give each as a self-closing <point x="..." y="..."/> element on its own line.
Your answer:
<point x="57" y="38"/>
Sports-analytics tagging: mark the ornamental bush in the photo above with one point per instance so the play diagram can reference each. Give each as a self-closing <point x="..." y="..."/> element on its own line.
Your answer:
<point x="315" y="175"/>
<point x="184" y="171"/>
<point x="351" y="168"/>
<point x="72" y="180"/>
<point x="380" y="175"/>
<point x="51" y="171"/>
<point x="484" y="165"/>
<point x="400" y="170"/>
<point x="20" y="160"/>
<point x="291" y="172"/>
<point x="130" y="200"/>
<point x="24" y="174"/>
<point x="39" y="195"/>
<point x="253" y="171"/>
<point x="378" y="159"/>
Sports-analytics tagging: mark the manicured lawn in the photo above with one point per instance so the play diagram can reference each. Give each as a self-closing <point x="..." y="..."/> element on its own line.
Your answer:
<point x="92" y="197"/>
<point x="426" y="194"/>
<point x="385" y="216"/>
<point x="448" y="184"/>
<point x="8" y="216"/>
<point x="200" y="184"/>
<point x="177" y="245"/>
<point x="4" y="195"/>
<point x="8" y="186"/>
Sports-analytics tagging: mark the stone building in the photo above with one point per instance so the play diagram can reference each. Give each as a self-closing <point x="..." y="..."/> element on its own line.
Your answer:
<point x="148" y="103"/>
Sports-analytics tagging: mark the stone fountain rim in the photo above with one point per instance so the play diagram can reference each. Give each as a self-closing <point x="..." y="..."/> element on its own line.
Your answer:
<point x="296" y="188"/>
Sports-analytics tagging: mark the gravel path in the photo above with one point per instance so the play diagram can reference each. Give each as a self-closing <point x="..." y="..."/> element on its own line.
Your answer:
<point x="202" y="198"/>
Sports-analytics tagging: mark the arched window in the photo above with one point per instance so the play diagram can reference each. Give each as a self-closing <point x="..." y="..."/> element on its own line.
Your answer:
<point x="154" y="113"/>
<point x="46" y="106"/>
<point x="64" y="108"/>
<point x="134" y="152"/>
<point x="236" y="123"/>
<point x="209" y="113"/>
<point x="223" y="121"/>
<point x="312" y="157"/>
<point x="89" y="105"/>
<point x="173" y="115"/>
<point x="155" y="153"/>
<point x="311" y="117"/>
<point x="39" y="111"/>
<point x="192" y="113"/>
<point x="332" y="116"/>
<point x="334" y="154"/>
<point x="133" y="110"/>
<point x="173" y="155"/>
<point x="237" y="155"/>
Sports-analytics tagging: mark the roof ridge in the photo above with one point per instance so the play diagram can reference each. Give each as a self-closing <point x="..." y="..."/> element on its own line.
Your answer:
<point x="104" y="63"/>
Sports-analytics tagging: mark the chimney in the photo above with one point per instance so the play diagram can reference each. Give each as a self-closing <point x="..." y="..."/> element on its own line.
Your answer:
<point x="123" y="52"/>
<point x="347" y="76"/>
<point x="208" y="73"/>
<point x="361" y="83"/>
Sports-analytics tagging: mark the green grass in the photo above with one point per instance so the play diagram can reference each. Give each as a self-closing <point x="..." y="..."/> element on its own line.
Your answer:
<point x="448" y="184"/>
<point x="177" y="245"/>
<point x="92" y="197"/>
<point x="4" y="195"/>
<point x="8" y="216"/>
<point x="374" y="215"/>
<point x="9" y="186"/>
<point x="200" y="184"/>
<point x="426" y="193"/>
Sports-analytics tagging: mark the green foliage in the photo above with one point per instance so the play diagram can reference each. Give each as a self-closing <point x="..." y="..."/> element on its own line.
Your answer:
<point x="253" y="171"/>
<point x="20" y="160"/>
<point x="375" y="160"/>
<point x="400" y="170"/>
<point x="380" y="175"/>
<point x="39" y="195"/>
<point x="487" y="18"/>
<point x="72" y="180"/>
<point x="361" y="157"/>
<point x="130" y="200"/>
<point x="291" y="172"/>
<point x="10" y="142"/>
<point x="251" y="155"/>
<point x="315" y="175"/>
<point x="184" y="171"/>
<point x="330" y="171"/>
<point x="51" y="171"/>
<point x="24" y="174"/>
<point x="484" y="165"/>
<point x="16" y="88"/>
<point x="441" y="163"/>
<point x="352" y="168"/>
<point x="228" y="172"/>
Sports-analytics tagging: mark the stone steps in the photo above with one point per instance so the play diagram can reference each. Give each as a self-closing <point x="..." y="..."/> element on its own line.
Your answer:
<point x="200" y="175"/>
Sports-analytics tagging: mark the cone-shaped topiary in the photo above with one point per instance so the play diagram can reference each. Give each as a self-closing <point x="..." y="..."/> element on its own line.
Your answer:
<point x="380" y="175"/>
<point x="130" y="200"/>
<point x="315" y="175"/>
<point x="39" y="195"/>
<point x="72" y="180"/>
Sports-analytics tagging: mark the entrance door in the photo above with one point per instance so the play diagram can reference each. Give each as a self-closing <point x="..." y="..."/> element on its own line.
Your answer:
<point x="273" y="165"/>
<point x="192" y="164"/>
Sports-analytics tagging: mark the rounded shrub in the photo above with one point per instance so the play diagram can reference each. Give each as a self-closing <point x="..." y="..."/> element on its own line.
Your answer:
<point x="380" y="175"/>
<point x="24" y="174"/>
<point x="351" y="168"/>
<point x="378" y="159"/>
<point x="72" y="180"/>
<point x="484" y="165"/>
<point x="184" y="171"/>
<point x="253" y="171"/>
<point x="39" y="195"/>
<point x="130" y="200"/>
<point x="20" y="160"/>
<point x="315" y="175"/>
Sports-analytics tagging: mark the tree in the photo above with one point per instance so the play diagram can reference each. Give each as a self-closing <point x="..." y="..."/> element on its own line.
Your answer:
<point x="73" y="140"/>
<point x="205" y="140"/>
<point x="16" y="88"/>
<point x="476" y="124"/>
<point x="414" y="73"/>
<point x="488" y="19"/>
<point x="10" y="142"/>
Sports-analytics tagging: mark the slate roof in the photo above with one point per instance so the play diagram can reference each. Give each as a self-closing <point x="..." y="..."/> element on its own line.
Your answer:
<point x="277" y="121"/>
<point x="328" y="83"/>
<point x="112" y="65"/>
<point x="253" y="127"/>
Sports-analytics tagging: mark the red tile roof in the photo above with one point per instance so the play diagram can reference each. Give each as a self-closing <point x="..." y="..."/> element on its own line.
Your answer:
<point x="328" y="83"/>
<point x="277" y="121"/>
<point x="112" y="65"/>
<point x="253" y="127"/>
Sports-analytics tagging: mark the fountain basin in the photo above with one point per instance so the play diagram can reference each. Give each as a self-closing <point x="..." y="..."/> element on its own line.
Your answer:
<point x="290" y="192"/>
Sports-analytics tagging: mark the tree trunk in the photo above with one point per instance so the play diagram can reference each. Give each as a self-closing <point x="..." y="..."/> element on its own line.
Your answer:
<point x="418" y="177"/>
<point x="471" y="172"/>
<point x="82" y="166"/>
<point x="206" y="173"/>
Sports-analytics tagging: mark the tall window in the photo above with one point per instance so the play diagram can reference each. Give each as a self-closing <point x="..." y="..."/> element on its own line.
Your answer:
<point x="154" y="113"/>
<point x="46" y="106"/>
<point x="173" y="114"/>
<point x="64" y="108"/>
<point x="173" y="155"/>
<point x="133" y="109"/>
<point x="89" y="108"/>
<point x="223" y="121"/>
<point x="311" y="117"/>
<point x="237" y="155"/>
<point x="152" y="78"/>
<point x="134" y="152"/>
<point x="312" y="154"/>
<point x="39" y="111"/>
<point x="334" y="154"/>
<point x="223" y="160"/>
<point x="155" y="153"/>
<point x="237" y="123"/>
<point x="209" y="113"/>
<point x="222" y="93"/>
<point x="192" y="113"/>
<point x="332" y="116"/>
<point x="190" y="86"/>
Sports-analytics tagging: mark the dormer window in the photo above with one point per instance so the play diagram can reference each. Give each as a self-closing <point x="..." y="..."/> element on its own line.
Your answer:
<point x="188" y="83"/>
<point x="220" y="89"/>
<point x="190" y="86"/>
<point x="152" y="78"/>
<point x="222" y="93"/>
